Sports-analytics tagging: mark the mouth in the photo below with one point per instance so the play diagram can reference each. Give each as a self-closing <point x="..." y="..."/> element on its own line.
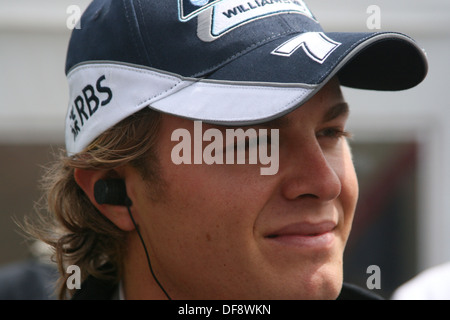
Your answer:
<point x="305" y="235"/>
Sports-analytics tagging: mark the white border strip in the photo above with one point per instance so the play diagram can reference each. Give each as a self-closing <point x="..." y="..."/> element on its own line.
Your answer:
<point x="102" y="94"/>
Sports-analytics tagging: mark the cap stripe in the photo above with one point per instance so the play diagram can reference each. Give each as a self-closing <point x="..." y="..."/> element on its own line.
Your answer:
<point x="102" y="94"/>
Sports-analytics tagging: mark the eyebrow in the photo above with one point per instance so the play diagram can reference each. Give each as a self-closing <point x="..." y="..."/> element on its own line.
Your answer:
<point x="338" y="110"/>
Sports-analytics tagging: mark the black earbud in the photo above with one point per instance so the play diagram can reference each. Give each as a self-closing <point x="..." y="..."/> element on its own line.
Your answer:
<point x="111" y="191"/>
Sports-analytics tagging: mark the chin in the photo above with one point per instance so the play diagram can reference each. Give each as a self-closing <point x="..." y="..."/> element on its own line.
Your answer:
<point x="318" y="287"/>
<point x="328" y="291"/>
<point x="322" y="291"/>
<point x="324" y="284"/>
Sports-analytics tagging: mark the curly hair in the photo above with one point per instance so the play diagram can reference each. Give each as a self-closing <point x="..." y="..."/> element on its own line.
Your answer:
<point x="66" y="219"/>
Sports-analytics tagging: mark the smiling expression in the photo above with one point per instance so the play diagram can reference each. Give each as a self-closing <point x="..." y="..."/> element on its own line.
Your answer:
<point x="228" y="232"/>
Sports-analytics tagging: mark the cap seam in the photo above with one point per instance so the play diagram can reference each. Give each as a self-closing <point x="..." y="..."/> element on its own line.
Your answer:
<point x="147" y="101"/>
<point x="149" y="48"/>
<point x="244" y="51"/>
<point x="115" y="65"/>
<point x="132" y="34"/>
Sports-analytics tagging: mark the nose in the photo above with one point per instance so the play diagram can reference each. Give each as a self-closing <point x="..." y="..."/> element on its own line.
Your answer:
<point x="309" y="172"/>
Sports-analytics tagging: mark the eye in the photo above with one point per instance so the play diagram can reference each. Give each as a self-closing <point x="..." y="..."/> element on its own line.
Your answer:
<point x="333" y="133"/>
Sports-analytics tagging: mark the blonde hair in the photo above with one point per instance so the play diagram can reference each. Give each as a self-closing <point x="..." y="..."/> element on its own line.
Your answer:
<point x="79" y="234"/>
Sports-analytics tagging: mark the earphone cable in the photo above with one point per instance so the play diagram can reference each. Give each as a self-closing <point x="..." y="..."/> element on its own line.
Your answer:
<point x="146" y="253"/>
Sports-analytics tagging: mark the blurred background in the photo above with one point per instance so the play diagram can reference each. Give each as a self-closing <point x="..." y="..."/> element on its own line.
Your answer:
<point x="401" y="141"/>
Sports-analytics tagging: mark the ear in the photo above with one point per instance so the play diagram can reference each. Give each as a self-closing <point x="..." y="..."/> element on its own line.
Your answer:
<point x="118" y="215"/>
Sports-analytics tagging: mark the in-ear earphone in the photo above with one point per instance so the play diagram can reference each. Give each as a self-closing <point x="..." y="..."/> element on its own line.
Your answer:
<point x="111" y="191"/>
<point x="114" y="192"/>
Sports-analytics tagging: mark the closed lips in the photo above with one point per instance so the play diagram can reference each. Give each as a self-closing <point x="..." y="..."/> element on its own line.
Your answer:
<point x="304" y="229"/>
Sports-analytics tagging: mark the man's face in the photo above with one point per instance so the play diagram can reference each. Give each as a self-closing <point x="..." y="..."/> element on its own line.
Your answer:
<point x="224" y="231"/>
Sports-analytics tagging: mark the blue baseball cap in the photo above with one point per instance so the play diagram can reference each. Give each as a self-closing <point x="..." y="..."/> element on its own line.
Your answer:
<point x="229" y="62"/>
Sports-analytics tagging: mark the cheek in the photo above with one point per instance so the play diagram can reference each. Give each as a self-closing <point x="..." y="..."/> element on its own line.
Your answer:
<point x="350" y="190"/>
<point x="207" y="223"/>
<point x="207" y="204"/>
<point x="212" y="197"/>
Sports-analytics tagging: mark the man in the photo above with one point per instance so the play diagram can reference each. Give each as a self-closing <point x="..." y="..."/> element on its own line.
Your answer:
<point x="152" y="200"/>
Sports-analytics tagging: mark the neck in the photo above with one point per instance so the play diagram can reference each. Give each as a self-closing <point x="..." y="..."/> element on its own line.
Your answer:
<point x="138" y="282"/>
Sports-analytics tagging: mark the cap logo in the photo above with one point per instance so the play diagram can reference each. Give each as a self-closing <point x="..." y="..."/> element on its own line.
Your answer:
<point x="188" y="9"/>
<point x="220" y="17"/>
<point x="86" y="104"/>
<point x="315" y="44"/>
